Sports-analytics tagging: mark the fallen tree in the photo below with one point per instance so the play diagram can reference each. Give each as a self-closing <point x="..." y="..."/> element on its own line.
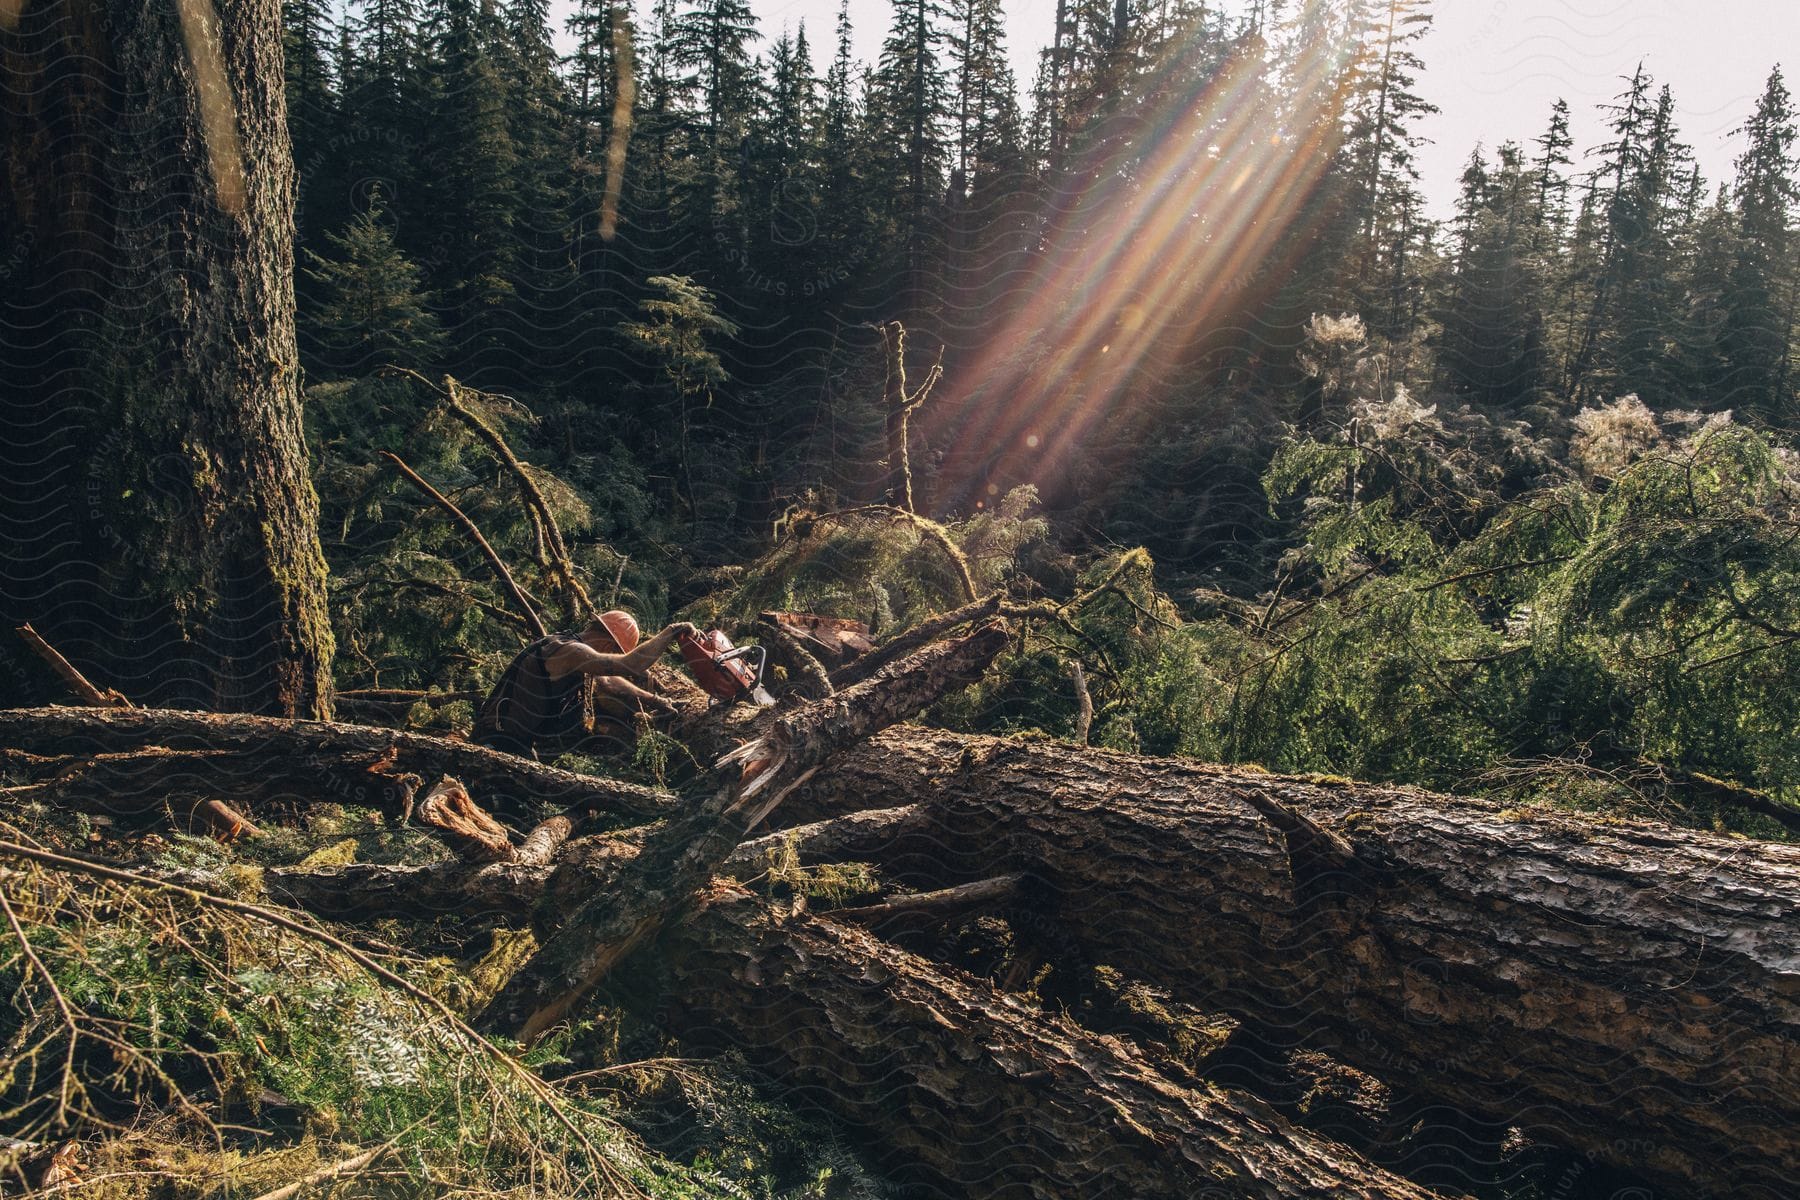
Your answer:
<point x="1620" y="987"/>
<point x="788" y="747"/>
<point x="1624" y="989"/>
<point x="968" y="1092"/>
<point x="128" y="761"/>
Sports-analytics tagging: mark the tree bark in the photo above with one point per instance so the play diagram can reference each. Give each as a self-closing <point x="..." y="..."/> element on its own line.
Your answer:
<point x="167" y="525"/>
<point x="967" y="1093"/>
<point x="1622" y="988"/>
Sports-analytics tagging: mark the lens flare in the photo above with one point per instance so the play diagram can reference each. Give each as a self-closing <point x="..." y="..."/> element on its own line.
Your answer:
<point x="1148" y="246"/>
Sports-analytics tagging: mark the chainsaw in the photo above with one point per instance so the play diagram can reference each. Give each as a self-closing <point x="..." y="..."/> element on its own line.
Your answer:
<point x="724" y="671"/>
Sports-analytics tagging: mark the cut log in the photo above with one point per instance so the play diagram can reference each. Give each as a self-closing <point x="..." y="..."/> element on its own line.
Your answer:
<point x="967" y="1093"/>
<point x="263" y="760"/>
<point x="1622" y="988"/>
<point x="834" y="641"/>
<point x="681" y="857"/>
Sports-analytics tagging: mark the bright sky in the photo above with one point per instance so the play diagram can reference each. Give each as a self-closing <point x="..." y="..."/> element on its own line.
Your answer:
<point x="1494" y="66"/>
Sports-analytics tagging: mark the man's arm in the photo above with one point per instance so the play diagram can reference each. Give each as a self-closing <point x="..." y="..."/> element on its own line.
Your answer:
<point x="632" y="694"/>
<point x="580" y="658"/>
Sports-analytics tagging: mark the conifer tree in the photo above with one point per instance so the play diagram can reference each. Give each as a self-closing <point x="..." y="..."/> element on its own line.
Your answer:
<point x="371" y="309"/>
<point x="1759" y="325"/>
<point x="711" y="46"/>
<point x="474" y="195"/>
<point x="909" y="105"/>
<point x="1552" y="185"/>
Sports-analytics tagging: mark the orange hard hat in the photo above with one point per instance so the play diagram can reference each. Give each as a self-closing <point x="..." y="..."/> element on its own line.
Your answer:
<point x="622" y="628"/>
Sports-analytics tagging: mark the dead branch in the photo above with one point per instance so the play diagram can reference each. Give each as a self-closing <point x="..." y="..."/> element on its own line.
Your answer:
<point x="76" y="681"/>
<point x="938" y="905"/>
<point x="926" y="631"/>
<point x="469" y="528"/>
<point x="537" y="509"/>
<point x="900" y="404"/>
<point x="1084" y="702"/>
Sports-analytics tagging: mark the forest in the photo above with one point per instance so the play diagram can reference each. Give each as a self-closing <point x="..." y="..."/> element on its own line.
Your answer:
<point x="1275" y="693"/>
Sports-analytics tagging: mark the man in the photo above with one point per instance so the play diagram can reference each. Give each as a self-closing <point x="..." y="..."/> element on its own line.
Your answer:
<point x="541" y="701"/>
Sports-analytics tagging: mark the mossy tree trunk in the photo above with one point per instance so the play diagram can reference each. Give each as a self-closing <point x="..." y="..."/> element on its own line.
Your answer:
<point x="164" y="522"/>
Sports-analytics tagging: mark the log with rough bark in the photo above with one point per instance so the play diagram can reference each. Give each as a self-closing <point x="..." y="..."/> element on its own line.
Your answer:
<point x="965" y="1091"/>
<point x="150" y="752"/>
<point x="1619" y="987"/>
<point x="681" y="857"/>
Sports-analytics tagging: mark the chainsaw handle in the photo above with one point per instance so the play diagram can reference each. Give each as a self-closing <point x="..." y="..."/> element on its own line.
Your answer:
<point x="762" y="660"/>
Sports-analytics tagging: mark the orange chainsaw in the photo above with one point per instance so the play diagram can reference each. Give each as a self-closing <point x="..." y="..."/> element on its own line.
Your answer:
<point x="724" y="671"/>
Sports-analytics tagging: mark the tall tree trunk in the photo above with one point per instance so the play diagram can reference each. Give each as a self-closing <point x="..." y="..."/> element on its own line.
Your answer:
<point x="166" y="522"/>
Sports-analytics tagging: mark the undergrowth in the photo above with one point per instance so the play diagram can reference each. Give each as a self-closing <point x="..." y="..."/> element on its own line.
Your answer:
<point x="167" y="1046"/>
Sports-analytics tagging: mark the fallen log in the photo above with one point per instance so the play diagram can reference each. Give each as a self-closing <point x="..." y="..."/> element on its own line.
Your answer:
<point x="269" y="760"/>
<point x="967" y="1093"/>
<point x="682" y="856"/>
<point x="541" y="890"/>
<point x="1619" y="987"/>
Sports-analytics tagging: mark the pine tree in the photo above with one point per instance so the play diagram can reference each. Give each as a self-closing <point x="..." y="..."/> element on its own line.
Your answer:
<point x="1552" y="185"/>
<point x="1383" y="140"/>
<point x="592" y="68"/>
<point x="908" y="110"/>
<point x="1490" y="340"/>
<point x="1758" y="333"/>
<point x="372" y="310"/>
<point x="474" y="196"/>
<point x="711" y="45"/>
<point x="312" y="109"/>
<point x="384" y="115"/>
<point x="1621" y="217"/>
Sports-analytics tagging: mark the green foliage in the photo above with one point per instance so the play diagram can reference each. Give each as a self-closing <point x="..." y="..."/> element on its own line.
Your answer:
<point x="371" y="309"/>
<point x="881" y="564"/>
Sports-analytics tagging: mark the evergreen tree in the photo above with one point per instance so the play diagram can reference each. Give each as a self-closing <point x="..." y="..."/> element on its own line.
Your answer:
<point x="908" y="110"/>
<point x="474" y="196"/>
<point x="371" y="309"/>
<point x="1490" y="340"/>
<point x="1759" y="325"/>
<point x="1552" y="185"/>
<point x="312" y="109"/>
<point x="1382" y="142"/>
<point x="711" y="45"/>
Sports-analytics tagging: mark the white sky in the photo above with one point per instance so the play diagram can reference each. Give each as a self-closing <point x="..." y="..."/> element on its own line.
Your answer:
<point x="1494" y="66"/>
